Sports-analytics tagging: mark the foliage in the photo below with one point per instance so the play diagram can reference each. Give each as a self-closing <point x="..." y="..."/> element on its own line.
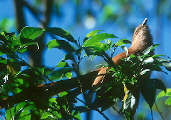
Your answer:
<point x="165" y="94"/>
<point x="6" y="24"/>
<point x="29" y="91"/>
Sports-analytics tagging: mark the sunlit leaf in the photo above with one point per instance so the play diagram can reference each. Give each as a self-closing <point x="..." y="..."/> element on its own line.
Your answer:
<point x="31" y="32"/>
<point x="149" y="49"/>
<point x="52" y="44"/>
<point x="98" y="38"/>
<point x="68" y="75"/>
<point x="46" y="115"/>
<point x="122" y="42"/>
<point x="148" y="60"/>
<point x="62" y="64"/>
<point x="93" y="33"/>
<point x="157" y="56"/>
<point x="61" y="94"/>
<point x="52" y="100"/>
<point x="10" y="113"/>
<point x="77" y="116"/>
<point x="145" y="71"/>
<point x="163" y="93"/>
<point x="168" y="101"/>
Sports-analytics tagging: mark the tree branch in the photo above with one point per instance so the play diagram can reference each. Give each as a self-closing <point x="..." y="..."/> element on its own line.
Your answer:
<point x="37" y="57"/>
<point x="20" y="19"/>
<point x="44" y="91"/>
<point x="35" y="12"/>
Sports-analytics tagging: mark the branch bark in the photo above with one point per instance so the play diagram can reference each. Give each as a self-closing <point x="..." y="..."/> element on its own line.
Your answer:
<point x="20" y="19"/>
<point x="41" y="92"/>
<point x="36" y="58"/>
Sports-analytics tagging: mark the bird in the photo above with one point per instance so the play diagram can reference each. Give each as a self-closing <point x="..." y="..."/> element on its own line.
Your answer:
<point x="142" y="39"/>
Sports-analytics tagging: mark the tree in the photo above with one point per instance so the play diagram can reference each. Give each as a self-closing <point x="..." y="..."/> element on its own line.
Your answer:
<point x="31" y="92"/>
<point x="104" y="13"/>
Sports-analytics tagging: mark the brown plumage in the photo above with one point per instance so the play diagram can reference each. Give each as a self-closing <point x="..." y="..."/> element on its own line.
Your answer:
<point x="142" y="39"/>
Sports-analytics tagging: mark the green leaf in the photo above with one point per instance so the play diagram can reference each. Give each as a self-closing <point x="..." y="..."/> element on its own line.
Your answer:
<point x="157" y="56"/>
<point x="77" y="116"/>
<point x="94" y="51"/>
<point x="25" y="114"/>
<point x="61" y="94"/>
<point x="164" y="94"/>
<point x="93" y="33"/>
<point x="68" y="75"/>
<point x="31" y="32"/>
<point x="20" y="105"/>
<point x="52" y="100"/>
<point x="61" y="44"/>
<point x="17" y="90"/>
<point x="10" y="113"/>
<point x="58" y="74"/>
<point x="149" y="49"/>
<point x="163" y="60"/>
<point x="24" y="47"/>
<point x="148" y="60"/>
<point x="45" y="115"/>
<point x="15" y="41"/>
<point x="52" y="44"/>
<point x="1" y="53"/>
<point x="20" y="81"/>
<point x="149" y="90"/>
<point x="122" y="42"/>
<point x="62" y="33"/>
<point x="168" y="101"/>
<point x="62" y="64"/>
<point x="97" y="38"/>
<point x="22" y="50"/>
<point x="6" y="24"/>
<point x="145" y="71"/>
<point x="3" y="60"/>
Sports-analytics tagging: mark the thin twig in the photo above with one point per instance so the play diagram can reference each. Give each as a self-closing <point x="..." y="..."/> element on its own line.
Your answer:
<point x="151" y="113"/>
<point x="94" y="109"/>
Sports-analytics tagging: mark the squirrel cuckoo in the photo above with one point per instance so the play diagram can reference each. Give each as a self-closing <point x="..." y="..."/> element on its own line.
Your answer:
<point x="142" y="39"/>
